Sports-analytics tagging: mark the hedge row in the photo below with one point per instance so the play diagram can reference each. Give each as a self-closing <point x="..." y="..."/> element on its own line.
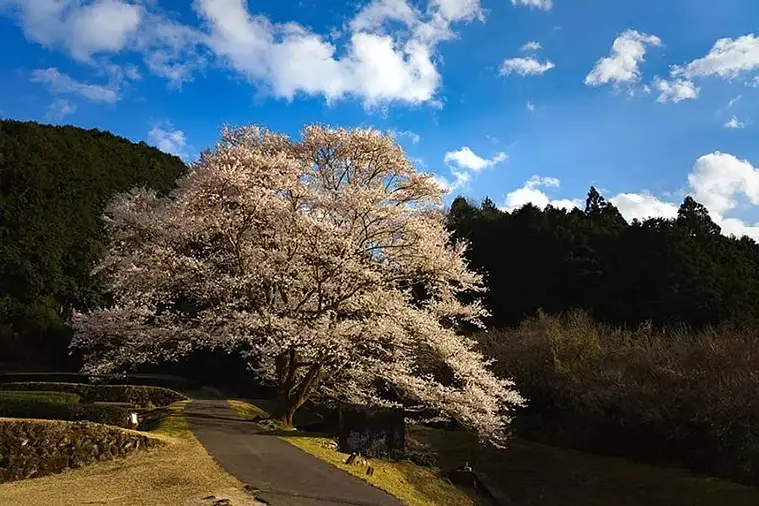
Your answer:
<point x="142" y="396"/>
<point x="160" y="380"/>
<point x="30" y="449"/>
<point x="62" y="397"/>
<point x="21" y="408"/>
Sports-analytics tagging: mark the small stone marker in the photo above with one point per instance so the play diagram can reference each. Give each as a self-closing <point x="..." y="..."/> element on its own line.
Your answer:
<point x="372" y="432"/>
<point x="133" y="419"/>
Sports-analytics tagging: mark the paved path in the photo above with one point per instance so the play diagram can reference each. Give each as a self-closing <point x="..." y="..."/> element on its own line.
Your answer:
<point x="281" y="474"/>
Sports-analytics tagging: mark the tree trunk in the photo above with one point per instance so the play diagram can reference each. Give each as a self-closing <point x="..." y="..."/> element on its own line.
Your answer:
<point x="291" y="396"/>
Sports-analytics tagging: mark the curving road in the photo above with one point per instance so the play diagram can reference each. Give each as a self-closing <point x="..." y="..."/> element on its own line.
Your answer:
<point x="279" y="473"/>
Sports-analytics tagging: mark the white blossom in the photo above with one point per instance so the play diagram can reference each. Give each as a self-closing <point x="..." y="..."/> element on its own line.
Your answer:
<point x="325" y="261"/>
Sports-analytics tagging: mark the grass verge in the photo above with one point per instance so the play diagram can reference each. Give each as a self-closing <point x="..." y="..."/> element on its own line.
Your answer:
<point x="179" y="473"/>
<point x="414" y="485"/>
<point x="539" y="475"/>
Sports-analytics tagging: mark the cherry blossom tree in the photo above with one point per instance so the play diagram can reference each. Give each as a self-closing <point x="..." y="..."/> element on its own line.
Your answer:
<point x="325" y="259"/>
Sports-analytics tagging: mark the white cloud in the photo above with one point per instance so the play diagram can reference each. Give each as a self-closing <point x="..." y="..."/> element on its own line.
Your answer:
<point x="169" y="140"/>
<point x="642" y="206"/>
<point x="467" y="159"/>
<point x="530" y="106"/>
<point x="733" y="101"/>
<point x="525" y="66"/>
<point x="728" y="58"/>
<point x="530" y="193"/>
<point x="531" y="46"/>
<point x="622" y="64"/>
<point x="60" y="83"/>
<point x="734" y="123"/>
<point x="718" y="179"/>
<point x="377" y="13"/>
<point x="59" y="109"/>
<point x="282" y="58"/>
<point x="536" y="4"/>
<point x="675" y="90"/>
<point x="457" y="10"/>
<point x="83" y="29"/>
<point x="412" y="136"/>
<point x="376" y="67"/>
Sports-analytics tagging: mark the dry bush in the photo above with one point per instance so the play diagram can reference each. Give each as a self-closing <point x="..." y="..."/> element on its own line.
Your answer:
<point x="664" y="396"/>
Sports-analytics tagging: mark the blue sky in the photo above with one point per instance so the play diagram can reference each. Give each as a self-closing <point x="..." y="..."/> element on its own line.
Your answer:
<point x="519" y="100"/>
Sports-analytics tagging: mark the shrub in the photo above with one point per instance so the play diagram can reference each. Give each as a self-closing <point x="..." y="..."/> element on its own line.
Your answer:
<point x="158" y="380"/>
<point x="64" y="397"/>
<point x="30" y="449"/>
<point x="142" y="396"/>
<point x="663" y="396"/>
<point x="22" y="408"/>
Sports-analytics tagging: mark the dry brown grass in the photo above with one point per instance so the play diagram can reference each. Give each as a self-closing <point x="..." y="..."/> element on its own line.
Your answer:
<point x="181" y="473"/>
<point x="667" y="397"/>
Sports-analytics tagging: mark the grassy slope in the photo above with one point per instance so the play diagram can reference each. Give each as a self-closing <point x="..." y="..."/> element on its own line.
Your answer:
<point x="181" y="473"/>
<point x="412" y="484"/>
<point x="533" y="474"/>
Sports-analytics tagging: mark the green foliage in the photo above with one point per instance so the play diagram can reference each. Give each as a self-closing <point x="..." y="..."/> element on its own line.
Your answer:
<point x="31" y="449"/>
<point x="671" y="397"/>
<point x="63" y="397"/>
<point x="664" y="271"/>
<point x="23" y="408"/>
<point x="54" y="185"/>
<point x="142" y="396"/>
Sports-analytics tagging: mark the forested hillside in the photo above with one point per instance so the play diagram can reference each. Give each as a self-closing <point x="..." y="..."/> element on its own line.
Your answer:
<point x="54" y="184"/>
<point x="666" y="271"/>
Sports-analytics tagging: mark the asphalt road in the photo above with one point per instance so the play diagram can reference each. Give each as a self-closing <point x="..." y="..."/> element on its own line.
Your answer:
<point x="280" y="473"/>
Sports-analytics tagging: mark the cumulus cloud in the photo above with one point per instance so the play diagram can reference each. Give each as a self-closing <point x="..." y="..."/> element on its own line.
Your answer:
<point x="622" y="65"/>
<point x="82" y="29"/>
<point x="463" y="164"/>
<point x="531" y="46"/>
<point x="642" y="206"/>
<point x="60" y="83"/>
<point x="376" y="64"/>
<point x="59" y="109"/>
<point x="728" y="58"/>
<point x="411" y="136"/>
<point x="530" y="106"/>
<point x="525" y="66"/>
<point x="734" y="123"/>
<point x="379" y="12"/>
<point x="531" y="193"/>
<point x="675" y="90"/>
<point x="720" y="181"/>
<point x="169" y="140"/>
<point x="545" y="5"/>
<point x="467" y="159"/>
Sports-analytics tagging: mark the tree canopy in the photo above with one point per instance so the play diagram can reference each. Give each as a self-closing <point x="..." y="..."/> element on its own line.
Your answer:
<point x="675" y="271"/>
<point x="326" y="260"/>
<point x="54" y="184"/>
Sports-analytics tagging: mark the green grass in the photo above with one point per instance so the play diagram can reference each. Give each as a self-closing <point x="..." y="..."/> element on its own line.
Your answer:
<point x="168" y="420"/>
<point x="61" y="397"/>
<point x="538" y="475"/>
